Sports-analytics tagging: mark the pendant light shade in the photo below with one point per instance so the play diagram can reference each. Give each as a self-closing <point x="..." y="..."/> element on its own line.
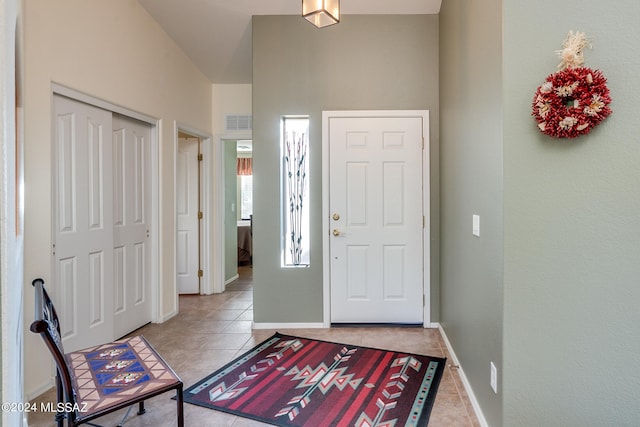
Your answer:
<point x="321" y="13"/>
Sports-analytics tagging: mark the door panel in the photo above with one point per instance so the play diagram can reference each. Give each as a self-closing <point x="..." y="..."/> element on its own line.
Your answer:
<point x="83" y="236"/>
<point x="376" y="243"/>
<point x="131" y="224"/>
<point x="188" y="256"/>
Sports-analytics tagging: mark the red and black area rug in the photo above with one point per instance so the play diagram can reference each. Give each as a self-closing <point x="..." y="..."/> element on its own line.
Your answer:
<point x="293" y="381"/>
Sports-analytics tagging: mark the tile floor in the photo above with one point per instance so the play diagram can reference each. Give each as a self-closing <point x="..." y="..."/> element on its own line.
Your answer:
<point x="211" y="330"/>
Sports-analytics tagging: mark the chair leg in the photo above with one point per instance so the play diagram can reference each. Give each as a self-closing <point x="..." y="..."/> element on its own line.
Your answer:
<point x="60" y="416"/>
<point x="141" y="409"/>
<point x="180" y="402"/>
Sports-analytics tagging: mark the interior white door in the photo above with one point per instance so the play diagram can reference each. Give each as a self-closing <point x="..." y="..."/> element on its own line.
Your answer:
<point x="83" y="218"/>
<point x="131" y="224"/>
<point x="187" y="238"/>
<point x="376" y="223"/>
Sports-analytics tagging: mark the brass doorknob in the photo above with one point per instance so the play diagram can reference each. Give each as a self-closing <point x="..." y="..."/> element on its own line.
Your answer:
<point x="336" y="232"/>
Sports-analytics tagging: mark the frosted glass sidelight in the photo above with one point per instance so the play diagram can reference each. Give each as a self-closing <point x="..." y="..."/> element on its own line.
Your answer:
<point x="295" y="191"/>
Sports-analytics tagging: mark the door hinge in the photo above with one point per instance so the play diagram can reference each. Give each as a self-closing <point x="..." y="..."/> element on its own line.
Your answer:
<point x="200" y="157"/>
<point x="200" y="273"/>
<point x="200" y="215"/>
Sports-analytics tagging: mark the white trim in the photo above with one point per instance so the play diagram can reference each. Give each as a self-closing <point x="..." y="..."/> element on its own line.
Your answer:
<point x="59" y="89"/>
<point x="167" y="316"/>
<point x="426" y="207"/>
<point x="287" y="325"/>
<point x="12" y="229"/>
<point x="467" y="386"/>
<point x="326" y="254"/>
<point x="426" y="211"/>
<point x="32" y="394"/>
<point x="155" y="238"/>
<point x="234" y="278"/>
<point x="209" y="264"/>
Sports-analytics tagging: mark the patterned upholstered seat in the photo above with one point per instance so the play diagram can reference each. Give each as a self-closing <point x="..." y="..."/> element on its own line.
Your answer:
<point x="98" y="380"/>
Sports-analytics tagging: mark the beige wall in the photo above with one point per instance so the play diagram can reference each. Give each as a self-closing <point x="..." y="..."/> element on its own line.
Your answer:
<point x="229" y="99"/>
<point x="112" y="50"/>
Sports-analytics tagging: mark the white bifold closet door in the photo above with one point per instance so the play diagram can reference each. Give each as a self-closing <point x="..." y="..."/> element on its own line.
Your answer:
<point x="101" y="220"/>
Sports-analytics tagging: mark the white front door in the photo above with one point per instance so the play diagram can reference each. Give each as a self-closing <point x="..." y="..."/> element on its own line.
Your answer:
<point x="131" y="224"/>
<point x="83" y="223"/>
<point x="376" y="219"/>
<point x="187" y="238"/>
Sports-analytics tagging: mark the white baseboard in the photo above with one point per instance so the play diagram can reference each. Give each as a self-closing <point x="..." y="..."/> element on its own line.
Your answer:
<point x="234" y="278"/>
<point x="288" y="325"/>
<point x="37" y="391"/>
<point x="465" y="381"/>
<point x="167" y="317"/>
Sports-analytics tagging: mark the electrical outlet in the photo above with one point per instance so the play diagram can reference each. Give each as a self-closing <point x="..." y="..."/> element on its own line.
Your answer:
<point x="494" y="378"/>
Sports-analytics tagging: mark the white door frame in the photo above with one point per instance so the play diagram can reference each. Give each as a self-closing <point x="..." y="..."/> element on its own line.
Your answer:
<point x="11" y="216"/>
<point x="156" y="195"/>
<point x="212" y="202"/>
<point x="209" y="262"/>
<point x="426" y="237"/>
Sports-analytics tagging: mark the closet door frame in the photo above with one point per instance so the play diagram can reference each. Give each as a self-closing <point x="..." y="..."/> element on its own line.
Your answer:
<point x="156" y="196"/>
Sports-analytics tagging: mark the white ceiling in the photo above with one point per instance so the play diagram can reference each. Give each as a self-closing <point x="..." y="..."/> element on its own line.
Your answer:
<point x="216" y="34"/>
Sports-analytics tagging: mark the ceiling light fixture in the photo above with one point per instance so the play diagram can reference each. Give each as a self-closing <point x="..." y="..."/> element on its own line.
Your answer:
<point x="321" y="13"/>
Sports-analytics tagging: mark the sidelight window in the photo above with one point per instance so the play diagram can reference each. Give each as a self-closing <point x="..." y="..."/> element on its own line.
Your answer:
<point x="295" y="191"/>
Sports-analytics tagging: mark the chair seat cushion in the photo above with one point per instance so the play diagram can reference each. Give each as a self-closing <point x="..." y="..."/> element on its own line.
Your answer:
<point x="111" y="374"/>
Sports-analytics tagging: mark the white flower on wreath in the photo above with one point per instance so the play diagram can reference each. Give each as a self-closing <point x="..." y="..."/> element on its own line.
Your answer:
<point x="543" y="106"/>
<point x="567" y="123"/>
<point x="565" y="91"/>
<point x="595" y="106"/>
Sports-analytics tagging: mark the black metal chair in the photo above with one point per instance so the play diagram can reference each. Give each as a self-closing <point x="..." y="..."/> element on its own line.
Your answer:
<point x="96" y="381"/>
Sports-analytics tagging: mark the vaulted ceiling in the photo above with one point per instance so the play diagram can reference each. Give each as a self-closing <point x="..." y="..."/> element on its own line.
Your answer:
<point x="216" y="34"/>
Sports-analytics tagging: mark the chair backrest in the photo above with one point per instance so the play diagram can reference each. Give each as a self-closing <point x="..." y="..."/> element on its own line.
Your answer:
<point x="47" y="325"/>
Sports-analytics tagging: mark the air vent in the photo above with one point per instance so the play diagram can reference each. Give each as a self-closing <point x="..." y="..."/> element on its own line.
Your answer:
<point x="239" y="122"/>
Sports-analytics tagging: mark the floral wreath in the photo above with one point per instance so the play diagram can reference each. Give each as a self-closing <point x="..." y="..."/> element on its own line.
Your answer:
<point x="575" y="99"/>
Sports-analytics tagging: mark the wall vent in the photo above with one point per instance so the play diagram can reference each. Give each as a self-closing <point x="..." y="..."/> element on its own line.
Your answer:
<point x="239" y="122"/>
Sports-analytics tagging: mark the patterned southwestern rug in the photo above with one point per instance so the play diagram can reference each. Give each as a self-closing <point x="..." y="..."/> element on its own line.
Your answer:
<point x="292" y="381"/>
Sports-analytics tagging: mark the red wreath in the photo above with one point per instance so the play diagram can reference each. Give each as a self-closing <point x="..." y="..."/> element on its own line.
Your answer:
<point x="571" y="102"/>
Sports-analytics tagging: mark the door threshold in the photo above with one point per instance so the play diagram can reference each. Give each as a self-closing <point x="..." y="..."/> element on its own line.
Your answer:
<point x="377" y="325"/>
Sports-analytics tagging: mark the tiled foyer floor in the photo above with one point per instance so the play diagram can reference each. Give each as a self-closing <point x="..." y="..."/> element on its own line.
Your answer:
<point x="211" y="330"/>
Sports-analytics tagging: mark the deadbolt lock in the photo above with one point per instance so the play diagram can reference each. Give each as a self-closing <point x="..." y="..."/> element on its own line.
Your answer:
<point x="336" y="216"/>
